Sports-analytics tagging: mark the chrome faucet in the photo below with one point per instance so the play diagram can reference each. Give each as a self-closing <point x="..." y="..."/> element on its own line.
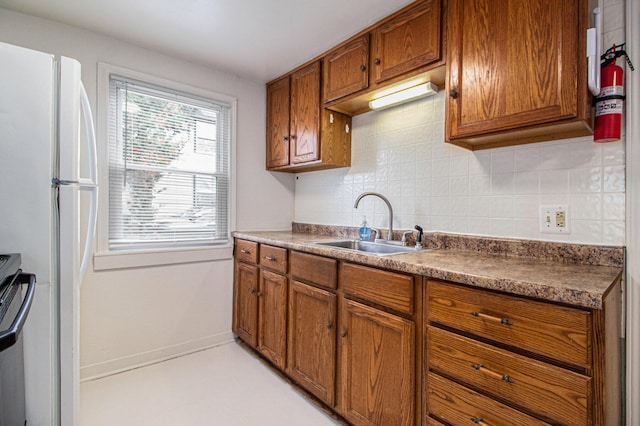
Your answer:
<point x="383" y="198"/>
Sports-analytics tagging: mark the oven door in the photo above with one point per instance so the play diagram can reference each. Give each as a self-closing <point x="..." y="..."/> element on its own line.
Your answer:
<point x="15" y="302"/>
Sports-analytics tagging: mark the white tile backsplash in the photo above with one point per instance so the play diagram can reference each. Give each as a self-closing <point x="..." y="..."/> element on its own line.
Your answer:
<point x="400" y="152"/>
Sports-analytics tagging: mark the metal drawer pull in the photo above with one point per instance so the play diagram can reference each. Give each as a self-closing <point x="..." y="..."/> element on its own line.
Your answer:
<point x="504" y="321"/>
<point x="271" y="259"/>
<point x="479" y="421"/>
<point x="503" y="377"/>
<point x="245" y="251"/>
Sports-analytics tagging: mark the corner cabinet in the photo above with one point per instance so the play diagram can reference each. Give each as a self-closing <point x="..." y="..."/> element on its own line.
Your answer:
<point x="517" y="72"/>
<point x="301" y="135"/>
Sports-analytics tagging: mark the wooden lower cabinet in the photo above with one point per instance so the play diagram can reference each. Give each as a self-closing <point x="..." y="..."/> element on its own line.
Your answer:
<point x="245" y="306"/>
<point x="377" y="354"/>
<point x="312" y="340"/>
<point x="260" y="304"/>
<point x="272" y="317"/>
<point x="501" y="359"/>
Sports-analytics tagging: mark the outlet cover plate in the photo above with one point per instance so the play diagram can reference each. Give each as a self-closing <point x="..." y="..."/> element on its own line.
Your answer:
<point x="554" y="219"/>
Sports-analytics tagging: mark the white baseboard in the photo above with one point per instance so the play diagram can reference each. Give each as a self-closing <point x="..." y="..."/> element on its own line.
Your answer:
<point x="114" y="366"/>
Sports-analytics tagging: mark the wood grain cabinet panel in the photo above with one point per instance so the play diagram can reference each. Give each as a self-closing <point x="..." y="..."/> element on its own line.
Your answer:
<point x="312" y="340"/>
<point x="407" y="42"/>
<point x="555" y="331"/>
<point x="346" y="69"/>
<point x="245" y="312"/>
<point x="272" y="317"/>
<point x="278" y="107"/>
<point x="378" y="366"/>
<point x="516" y="72"/>
<point x="246" y="251"/>
<point x="274" y="258"/>
<point x="555" y="393"/>
<point x="318" y="270"/>
<point x="461" y="406"/>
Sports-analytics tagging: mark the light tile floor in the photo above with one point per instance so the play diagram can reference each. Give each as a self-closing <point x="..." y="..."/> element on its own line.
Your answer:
<point x="223" y="386"/>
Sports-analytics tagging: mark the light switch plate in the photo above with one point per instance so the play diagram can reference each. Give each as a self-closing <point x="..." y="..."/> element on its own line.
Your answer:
<point x="554" y="219"/>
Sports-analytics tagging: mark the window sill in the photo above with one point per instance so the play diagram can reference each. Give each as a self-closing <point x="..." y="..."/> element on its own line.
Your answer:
<point x="148" y="258"/>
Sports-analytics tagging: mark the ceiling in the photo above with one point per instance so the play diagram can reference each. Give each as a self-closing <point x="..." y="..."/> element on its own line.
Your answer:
<point x="259" y="39"/>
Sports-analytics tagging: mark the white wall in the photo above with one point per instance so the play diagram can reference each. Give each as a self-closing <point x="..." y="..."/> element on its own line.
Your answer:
<point x="132" y="316"/>
<point x="400" y="153"/>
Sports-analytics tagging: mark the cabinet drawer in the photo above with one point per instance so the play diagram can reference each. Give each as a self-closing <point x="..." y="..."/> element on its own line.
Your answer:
<point x="541" y="388"/>
<point x="274" y="258"/>
<point x="458" y="405"/>
<point x="314" y="269"/>
<point x="554" y="331"/>
<point x="384" y="288"/>
<point x="247" y="251"/>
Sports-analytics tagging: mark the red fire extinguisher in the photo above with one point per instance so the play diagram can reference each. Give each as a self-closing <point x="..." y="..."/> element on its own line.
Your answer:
<point x="609" y="103"/>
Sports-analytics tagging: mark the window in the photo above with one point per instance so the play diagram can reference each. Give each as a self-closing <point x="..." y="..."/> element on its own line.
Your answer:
<point x="169" y="172"/>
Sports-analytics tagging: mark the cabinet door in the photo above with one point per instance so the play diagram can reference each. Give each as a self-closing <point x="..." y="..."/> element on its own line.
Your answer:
<point x="312" y="340"/>
<point x="408" y="41"/>
<point x="272" y="317"/>
<point x="345" y="69"/>
<point x="245" y="316"/>
<point x="278" y="123"/>
<point x="377" y="366"/>
<point x="512" y="64"/>
<point x="305" y="114"/>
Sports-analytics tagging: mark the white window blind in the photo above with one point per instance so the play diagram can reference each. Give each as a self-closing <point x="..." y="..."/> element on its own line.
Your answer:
<point x="168" y="167"/>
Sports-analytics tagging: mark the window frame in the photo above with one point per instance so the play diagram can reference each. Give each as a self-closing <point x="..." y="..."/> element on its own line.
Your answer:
<point x="106" y="258"/>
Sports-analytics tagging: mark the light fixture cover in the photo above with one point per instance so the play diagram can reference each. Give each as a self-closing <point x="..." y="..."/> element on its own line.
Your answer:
<point x="406" y="95"/>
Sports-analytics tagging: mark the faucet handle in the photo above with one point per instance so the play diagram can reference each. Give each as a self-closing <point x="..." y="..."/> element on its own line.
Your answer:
<point x="404" y="237"/>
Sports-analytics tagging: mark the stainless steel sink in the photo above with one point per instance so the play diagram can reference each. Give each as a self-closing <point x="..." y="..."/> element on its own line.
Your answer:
<point x="366" y="246"/>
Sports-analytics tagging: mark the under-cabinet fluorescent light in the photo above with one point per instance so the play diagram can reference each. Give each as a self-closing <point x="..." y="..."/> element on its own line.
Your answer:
<point x="406" y="95"/>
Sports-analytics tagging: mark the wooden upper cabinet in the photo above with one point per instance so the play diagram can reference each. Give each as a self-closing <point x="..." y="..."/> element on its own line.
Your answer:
<point x="408" y="41"/>
<point x="301" y="135"/>
<point x="305" y="114"/>
<point x="278" y="98"/>
<point x="516" y="72"/>
<point x="346" y="69"/>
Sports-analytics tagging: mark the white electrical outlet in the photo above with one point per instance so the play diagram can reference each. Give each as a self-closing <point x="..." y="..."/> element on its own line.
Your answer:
<point x="554" y="219"/>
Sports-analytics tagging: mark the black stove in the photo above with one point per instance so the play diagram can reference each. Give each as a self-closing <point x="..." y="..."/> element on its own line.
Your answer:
<point x="16" y="295"/>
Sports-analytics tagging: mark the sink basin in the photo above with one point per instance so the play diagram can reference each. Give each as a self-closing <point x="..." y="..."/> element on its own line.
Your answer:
<point x="366" y="246"/>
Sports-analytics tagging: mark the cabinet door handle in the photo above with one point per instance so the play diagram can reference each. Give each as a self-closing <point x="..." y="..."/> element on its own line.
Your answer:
<point x="252" y="291"/>
<point x="270" y="259"/>
<point x="329" y="325"/>
<point x="343" y="333"/>
<point x="479" y="421"/>
<point x="292" y="137"/>
<point x="377" y="61"/>
<point x="505" y="321"/>
<point x="453" y="93"/>
<point x="286" y="138"/>
<point x="503" y="377"/>
<point x="362" y="68"/>
<point x="259" y="294"/>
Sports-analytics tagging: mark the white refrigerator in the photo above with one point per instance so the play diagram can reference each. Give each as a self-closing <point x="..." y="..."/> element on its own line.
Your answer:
<point x="46" y="140"/>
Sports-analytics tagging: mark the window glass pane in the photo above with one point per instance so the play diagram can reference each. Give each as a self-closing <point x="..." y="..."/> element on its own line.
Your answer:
<point x="169" y="165"/>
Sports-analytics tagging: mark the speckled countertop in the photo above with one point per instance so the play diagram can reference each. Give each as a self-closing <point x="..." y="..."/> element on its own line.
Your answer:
<point x="566" y="273"/>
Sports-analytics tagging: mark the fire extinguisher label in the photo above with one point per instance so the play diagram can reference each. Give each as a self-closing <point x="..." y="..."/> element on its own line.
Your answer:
<point x="610" y="106"/>
<point x="611" y="90"/>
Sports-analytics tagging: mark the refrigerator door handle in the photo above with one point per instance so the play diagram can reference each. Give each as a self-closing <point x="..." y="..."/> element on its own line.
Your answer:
<point x="90" y="184"/>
